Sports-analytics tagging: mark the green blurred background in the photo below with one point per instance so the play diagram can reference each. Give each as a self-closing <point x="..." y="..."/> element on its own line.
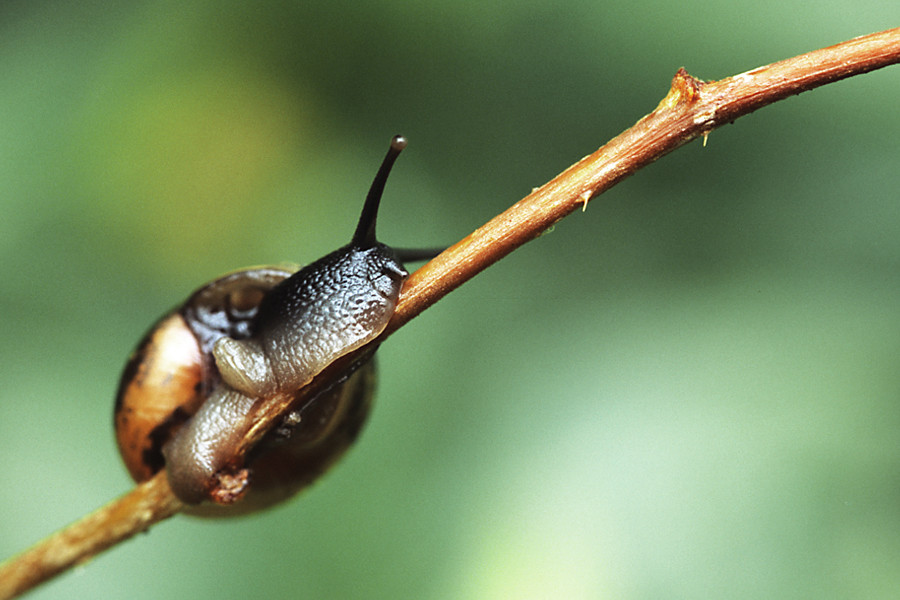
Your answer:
<point x="691" y="390"/>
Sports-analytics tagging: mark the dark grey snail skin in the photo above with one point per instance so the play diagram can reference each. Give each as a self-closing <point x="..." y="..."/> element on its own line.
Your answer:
<point x="328" y="309"/>
<point x="320" y="313"/>
<point x="324" y="311"/>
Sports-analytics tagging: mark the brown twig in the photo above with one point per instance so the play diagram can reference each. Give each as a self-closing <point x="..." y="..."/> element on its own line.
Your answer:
<point x="136" y="511"/>
<point x="692" y="108"/>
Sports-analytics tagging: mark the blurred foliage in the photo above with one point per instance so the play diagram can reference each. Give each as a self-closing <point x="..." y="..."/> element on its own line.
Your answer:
<point x="690" y="390"/>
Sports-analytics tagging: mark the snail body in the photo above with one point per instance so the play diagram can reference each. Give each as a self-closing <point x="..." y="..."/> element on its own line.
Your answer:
<point x="187" y="394"/>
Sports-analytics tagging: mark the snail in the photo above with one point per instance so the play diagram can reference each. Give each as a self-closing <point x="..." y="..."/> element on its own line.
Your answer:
<point x="186" y="394"/>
